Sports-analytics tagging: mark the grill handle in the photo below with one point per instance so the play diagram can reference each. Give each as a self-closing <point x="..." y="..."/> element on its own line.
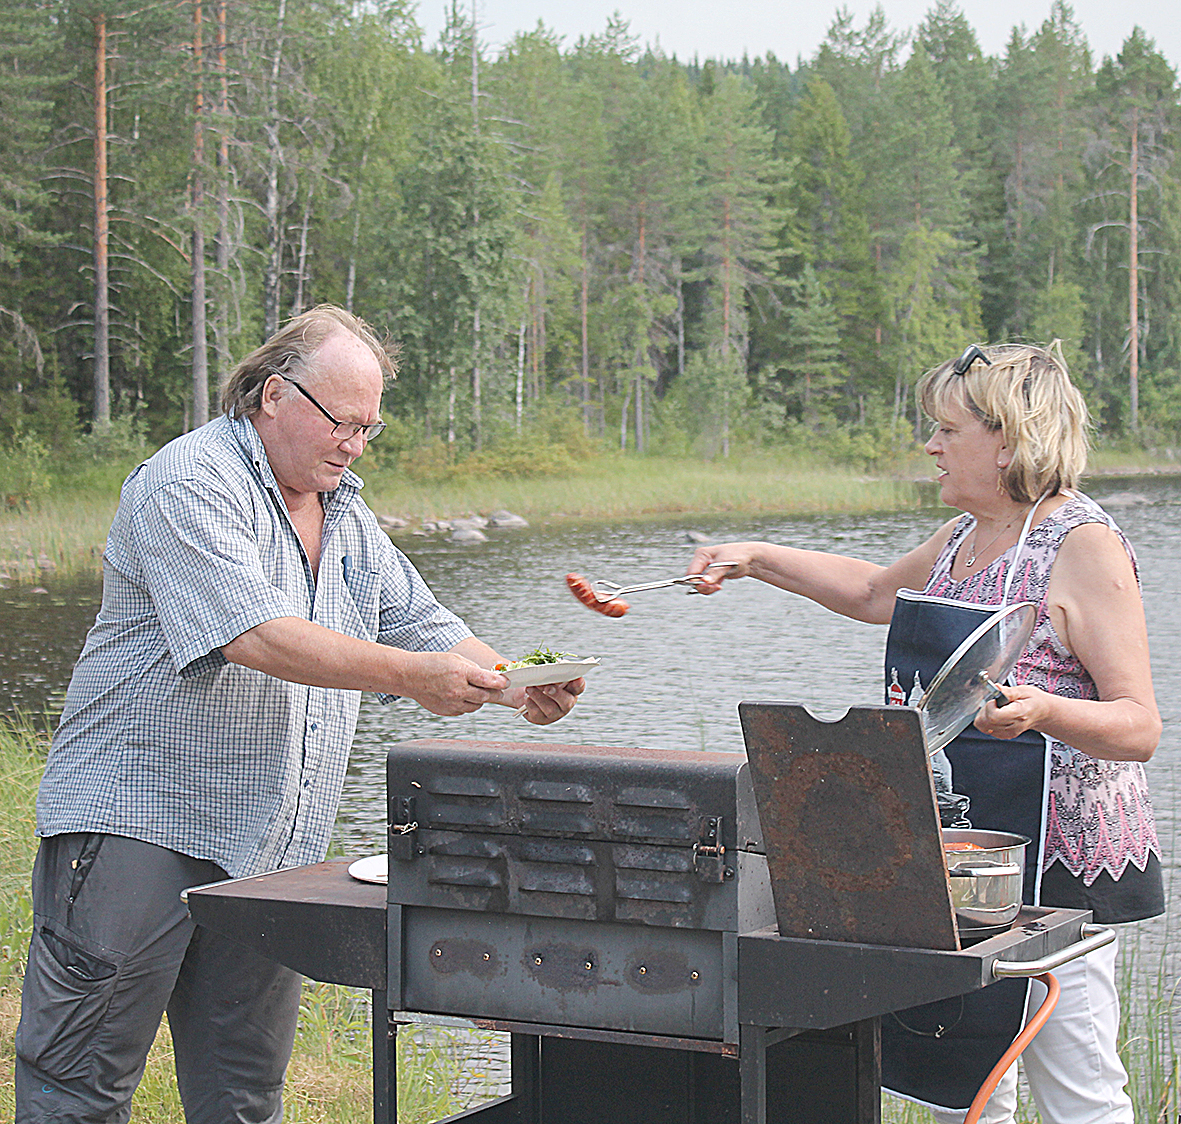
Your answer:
<point x="1093" y="937"/>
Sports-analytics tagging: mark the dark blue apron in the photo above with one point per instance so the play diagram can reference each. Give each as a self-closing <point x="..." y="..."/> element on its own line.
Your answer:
<point x="940" y="1054"/>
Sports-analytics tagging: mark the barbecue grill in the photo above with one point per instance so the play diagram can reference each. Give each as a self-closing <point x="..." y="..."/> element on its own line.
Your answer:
<point x="653" y="953"/>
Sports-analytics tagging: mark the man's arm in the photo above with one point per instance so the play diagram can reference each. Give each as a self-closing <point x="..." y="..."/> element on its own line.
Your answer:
<point x="458" y="681"/>
<point x="303" y="652"/>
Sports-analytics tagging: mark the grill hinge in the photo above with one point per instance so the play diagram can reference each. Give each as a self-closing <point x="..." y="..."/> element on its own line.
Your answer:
<point x="709" y="855"/>
<point x="402" y="828"/>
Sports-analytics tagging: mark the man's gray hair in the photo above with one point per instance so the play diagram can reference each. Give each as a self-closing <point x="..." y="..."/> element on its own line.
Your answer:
<point x="290" y="350"/>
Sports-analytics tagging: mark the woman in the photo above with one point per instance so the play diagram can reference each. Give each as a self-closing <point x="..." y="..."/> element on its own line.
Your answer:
<point x="1080" y="716"/>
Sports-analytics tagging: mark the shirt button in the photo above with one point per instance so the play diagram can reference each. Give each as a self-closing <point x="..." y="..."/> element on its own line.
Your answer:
<point x="315" y="725"/>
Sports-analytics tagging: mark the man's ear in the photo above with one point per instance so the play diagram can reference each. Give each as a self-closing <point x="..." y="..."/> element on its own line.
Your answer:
<point x="272" y="395"/>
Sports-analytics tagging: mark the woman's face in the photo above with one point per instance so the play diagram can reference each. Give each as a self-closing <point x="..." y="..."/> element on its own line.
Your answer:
<point x="968" y="459"/>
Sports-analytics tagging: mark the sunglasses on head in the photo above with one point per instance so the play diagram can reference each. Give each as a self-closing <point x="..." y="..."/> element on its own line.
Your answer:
<point x="970" y="355"/>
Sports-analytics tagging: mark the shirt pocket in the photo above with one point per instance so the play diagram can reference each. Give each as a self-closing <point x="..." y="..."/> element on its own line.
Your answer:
<point x="66" y="993"/>
<point x="361" y="603"/>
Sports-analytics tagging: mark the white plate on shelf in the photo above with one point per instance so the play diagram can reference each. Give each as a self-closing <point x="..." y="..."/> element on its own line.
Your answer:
<point x="372" y="868"/>
<point x="538" y="675"/>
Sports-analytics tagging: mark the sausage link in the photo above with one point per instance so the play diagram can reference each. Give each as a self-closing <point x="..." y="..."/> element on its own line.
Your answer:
<point x="581" y="589"/>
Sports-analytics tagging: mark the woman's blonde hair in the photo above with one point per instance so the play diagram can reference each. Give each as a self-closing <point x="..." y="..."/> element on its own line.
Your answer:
<point x="289" y="352"/>
<point x="1027" y="394"/>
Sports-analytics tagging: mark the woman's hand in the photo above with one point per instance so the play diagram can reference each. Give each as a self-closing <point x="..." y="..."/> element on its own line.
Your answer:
<point x="729" y="560"/>
<point x="1022" y="708"/>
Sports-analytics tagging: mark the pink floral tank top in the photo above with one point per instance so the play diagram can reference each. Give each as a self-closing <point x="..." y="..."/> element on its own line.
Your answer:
<point x="1099" y="815"/>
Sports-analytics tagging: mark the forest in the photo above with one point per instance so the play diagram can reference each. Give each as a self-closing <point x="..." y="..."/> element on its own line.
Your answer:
<point x="657" y="255"/>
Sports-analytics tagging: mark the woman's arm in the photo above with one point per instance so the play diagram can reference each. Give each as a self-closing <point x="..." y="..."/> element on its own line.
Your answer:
<point x="1095" y="607"/>
<point x="849" y="586"/>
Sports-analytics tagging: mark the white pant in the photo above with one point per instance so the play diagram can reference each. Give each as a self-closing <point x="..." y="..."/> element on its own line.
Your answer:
<point x="1072" y="1067"/>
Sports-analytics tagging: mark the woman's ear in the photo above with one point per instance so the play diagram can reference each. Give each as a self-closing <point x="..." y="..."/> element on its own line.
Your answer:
<point x="1004" y="457"/>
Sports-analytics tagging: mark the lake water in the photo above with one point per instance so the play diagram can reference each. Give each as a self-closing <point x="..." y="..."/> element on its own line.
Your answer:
<point x="675" y="668"/>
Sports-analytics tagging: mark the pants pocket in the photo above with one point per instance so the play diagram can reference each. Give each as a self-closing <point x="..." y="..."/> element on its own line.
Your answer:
<point x="65" y="995"/>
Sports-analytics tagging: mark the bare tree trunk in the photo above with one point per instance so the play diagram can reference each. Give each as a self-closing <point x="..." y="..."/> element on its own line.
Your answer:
<point x="477" y="385"/>
<point x="680" y="324"/>
<point x="197" y="198"/>
<point x="520" y="373"/>
<point x="584" y="317"/>
<point x="274" y="265"/>
<point x="727" y="286"/>
<point x="221" y="314"/>
<point x="641" y="344"/>
<point x="301" y="271"/>
<point x="1134" y="278"/>
<point x="350" y="286"/>
<point x="102" y="232"/>
<point x="451" y="412"/>
<point x="623" y="418"/>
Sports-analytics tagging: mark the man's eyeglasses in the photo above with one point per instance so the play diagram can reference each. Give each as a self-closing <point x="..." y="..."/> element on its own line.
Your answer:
<point x="341" y="430"/>
<point x="970" y="355"/>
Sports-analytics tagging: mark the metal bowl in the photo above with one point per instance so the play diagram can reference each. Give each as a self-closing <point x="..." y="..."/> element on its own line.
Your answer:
<point x="986" y="879"/>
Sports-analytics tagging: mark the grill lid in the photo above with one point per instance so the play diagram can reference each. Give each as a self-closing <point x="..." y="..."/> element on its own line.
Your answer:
<point x="653" y="837"/>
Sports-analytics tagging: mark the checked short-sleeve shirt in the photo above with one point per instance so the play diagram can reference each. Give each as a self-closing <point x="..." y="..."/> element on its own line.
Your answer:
<point x="162" y="739"/>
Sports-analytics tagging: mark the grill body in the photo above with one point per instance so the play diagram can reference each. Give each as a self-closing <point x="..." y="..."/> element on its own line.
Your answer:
<point x="613" y="911"/>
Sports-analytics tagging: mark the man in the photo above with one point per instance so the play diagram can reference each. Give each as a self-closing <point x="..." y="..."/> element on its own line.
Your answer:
<point x="248" y="598"/>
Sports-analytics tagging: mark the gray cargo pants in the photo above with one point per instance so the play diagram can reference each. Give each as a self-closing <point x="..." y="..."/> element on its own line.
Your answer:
<point x="113" y="947"/>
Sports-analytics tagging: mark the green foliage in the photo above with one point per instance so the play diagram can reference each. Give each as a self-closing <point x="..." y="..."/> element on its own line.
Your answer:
<point x="592" y="224"/>
<point x="514" y="458"/>
<point x="24" y="470"/>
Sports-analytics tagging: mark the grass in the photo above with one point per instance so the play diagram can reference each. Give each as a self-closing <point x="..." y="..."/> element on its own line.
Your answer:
<point x="614" y="487"/>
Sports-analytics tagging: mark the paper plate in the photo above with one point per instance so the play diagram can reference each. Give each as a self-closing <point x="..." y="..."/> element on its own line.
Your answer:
<point x="538" y="675"/>
<point x="373" y="868"/>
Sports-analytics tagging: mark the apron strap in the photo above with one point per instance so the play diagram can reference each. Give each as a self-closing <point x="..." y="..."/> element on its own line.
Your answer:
<point x="1017" y="552"/>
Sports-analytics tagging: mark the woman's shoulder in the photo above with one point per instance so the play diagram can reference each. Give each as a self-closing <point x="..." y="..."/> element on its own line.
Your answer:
<point x="1077" y="510"/>
<point x="1081" y="527"/>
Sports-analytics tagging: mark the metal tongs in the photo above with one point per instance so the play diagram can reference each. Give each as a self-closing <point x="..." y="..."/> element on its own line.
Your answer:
<point x="609" y="591"/>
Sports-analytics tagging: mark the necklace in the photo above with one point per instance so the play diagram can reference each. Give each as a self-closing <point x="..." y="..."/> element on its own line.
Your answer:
<point x="970" y="561"/>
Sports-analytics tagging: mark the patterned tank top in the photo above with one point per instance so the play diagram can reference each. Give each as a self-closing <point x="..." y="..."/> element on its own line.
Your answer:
<point x="1099" y="815"/>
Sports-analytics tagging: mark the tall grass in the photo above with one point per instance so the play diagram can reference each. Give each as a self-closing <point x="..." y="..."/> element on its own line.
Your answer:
<point x="63" y="528"/>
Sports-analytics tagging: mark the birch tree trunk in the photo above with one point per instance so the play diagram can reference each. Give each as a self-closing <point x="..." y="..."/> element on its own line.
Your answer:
<point x="274" y="266"/>
<point x="221" y="315"/>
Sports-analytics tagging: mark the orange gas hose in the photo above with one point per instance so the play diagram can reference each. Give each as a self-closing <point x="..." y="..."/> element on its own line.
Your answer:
<point x="1019" y="1043"/>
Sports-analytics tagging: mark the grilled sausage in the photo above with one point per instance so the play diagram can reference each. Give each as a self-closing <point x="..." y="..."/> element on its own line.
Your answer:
<point x="581" y="589"/>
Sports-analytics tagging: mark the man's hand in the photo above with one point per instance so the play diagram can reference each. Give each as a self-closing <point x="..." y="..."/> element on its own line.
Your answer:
<point x="447" y="683"/>
<point x="543" y="705"/>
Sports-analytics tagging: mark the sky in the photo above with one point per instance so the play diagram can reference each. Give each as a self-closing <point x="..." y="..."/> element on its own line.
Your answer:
<point x="793" y="31"/>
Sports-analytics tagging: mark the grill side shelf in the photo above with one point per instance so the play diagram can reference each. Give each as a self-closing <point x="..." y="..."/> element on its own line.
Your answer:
<point x="313" y="919"/>
<point x="791" y="981"/>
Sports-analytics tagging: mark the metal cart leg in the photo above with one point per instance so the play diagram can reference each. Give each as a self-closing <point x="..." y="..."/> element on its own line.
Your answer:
<point x="385" y="1053"/>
